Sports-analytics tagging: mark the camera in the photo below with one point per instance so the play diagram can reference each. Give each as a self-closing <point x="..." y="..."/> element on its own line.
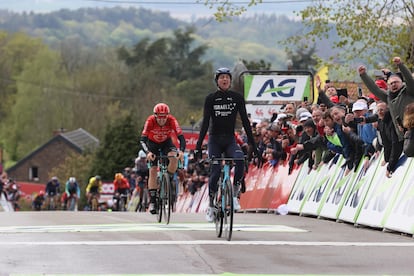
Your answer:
<point x="358" y="120"/>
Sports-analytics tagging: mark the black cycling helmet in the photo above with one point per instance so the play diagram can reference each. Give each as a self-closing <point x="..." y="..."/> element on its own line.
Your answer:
<point x="221" y="71"/>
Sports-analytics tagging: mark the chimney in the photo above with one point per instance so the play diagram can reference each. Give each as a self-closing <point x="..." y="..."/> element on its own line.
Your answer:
<point x="59" y="131"/>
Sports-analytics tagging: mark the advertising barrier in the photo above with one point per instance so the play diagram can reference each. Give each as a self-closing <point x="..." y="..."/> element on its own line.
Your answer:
<point x="365" y="196"/>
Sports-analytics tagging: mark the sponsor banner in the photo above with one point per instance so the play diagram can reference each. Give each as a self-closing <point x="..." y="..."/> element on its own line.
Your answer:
<point x="181" y="199"/>
<point x="317" y="184"/>
<point x="338" y="192"/>
<point x="354" y="199"/>
<point x="197" y="199"/>
<point x="261" y="111"/>
<point x="272" y="183"/>
<point x="29" y="189"/>
<point x="205" y="200"/>
<point x="381" y="194"/>
<point x="322" y="180"/>
<point x="257" y="201"/>
<point x="272" y="88"/>
<point x="282" y="186"/>
<point x="299" y="190"/>
<point x="251" y="179"/>
<point x="401" y="217"/>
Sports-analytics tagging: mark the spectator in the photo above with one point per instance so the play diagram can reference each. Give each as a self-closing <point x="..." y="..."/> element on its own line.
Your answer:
<point x="398" y="95"/>
<point x="352" y="145"/>
<point x="408" y="124"/>
<point x="389" y="138"/>
<point x="365" y="131"/>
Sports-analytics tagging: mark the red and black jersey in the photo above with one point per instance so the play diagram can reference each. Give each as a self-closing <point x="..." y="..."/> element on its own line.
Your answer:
<point x="159" y="134"/>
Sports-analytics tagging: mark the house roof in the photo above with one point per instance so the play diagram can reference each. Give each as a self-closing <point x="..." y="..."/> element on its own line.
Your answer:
<point x="78" y="139"/>
<point x="82" y="139"/>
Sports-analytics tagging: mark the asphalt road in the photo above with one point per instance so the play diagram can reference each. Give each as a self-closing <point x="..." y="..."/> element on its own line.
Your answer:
<point x="96" y="243"/>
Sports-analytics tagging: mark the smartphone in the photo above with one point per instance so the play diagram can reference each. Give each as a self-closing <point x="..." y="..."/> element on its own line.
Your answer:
<point x="305" y="99"/>
<point x="343" y="92"/>
<point x="359" y="91"/>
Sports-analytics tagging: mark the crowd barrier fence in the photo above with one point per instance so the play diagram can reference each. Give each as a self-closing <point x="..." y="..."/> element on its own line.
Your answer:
<point x="363" y="197"/>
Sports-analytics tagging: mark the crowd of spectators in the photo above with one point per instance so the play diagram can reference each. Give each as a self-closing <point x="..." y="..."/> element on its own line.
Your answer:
<point x="357" y="128"/>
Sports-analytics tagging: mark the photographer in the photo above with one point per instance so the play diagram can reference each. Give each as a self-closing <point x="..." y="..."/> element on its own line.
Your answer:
<point x="366" y="131"/>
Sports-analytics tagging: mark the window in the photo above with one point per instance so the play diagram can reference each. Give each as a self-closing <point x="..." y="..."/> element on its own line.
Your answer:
<point x="34" y="173"/>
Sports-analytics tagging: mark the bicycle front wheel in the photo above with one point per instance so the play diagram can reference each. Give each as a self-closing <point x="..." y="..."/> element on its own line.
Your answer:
<point x="228" y="211"/>
<point x="158" y="202"/>
<point x="218" y="217"/>
<point x="165" y="197"/>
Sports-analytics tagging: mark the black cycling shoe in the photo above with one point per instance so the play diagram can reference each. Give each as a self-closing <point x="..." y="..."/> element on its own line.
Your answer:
<point x="243" y="186"/>
<point x="152" y="208"/>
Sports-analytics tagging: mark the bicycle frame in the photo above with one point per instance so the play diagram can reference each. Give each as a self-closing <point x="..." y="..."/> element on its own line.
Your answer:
<point x="166" y="199"/>
<point x="224" y="197"/>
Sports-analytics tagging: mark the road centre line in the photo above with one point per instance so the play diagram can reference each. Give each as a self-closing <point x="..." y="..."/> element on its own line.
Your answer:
<point x="206" y="242"/>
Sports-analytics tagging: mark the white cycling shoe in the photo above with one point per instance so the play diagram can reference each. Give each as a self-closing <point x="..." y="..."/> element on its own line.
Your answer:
<point x="210" y="214"/>
<point x="236" y="204"/>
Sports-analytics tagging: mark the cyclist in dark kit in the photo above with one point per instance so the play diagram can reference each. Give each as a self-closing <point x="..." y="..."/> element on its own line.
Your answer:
<point x="219" y="117"/>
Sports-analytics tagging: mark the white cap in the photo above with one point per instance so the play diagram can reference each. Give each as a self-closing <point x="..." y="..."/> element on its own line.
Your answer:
<point x="304" y="116"/>
<point x="359" y="105"/>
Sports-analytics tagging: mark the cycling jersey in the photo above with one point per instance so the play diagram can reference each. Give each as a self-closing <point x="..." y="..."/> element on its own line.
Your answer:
<point x="157" y="134"/>
<point x="94" y="185"/>
<point x="121" y="184"/>
<point x="52" y="188"/>
<point x="222" y="108"/>
<point x="72" y="188"/>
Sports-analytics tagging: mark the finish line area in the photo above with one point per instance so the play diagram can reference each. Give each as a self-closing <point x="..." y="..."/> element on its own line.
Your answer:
<point x="129" y="227"/>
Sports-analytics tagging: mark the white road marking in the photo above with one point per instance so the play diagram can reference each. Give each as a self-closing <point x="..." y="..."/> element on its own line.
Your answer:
<point x="145" y="227"/>
<point x="207" y="242"/>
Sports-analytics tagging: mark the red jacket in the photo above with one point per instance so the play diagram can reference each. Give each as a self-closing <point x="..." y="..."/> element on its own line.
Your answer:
<point x="121" y="184"/>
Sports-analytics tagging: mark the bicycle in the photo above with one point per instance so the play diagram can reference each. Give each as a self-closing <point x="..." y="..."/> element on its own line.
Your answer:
<point x="166" y="190"/>
<point x="94" y="204"/>
<point x="120" y="201"/>
<point x="223" y="198"/>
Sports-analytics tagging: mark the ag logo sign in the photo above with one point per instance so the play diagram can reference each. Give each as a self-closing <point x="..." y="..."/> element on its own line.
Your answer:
<point x="276" y="87"/>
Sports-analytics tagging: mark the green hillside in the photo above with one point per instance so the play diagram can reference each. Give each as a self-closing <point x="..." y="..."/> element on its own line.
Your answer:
<point x="251" y="38"/>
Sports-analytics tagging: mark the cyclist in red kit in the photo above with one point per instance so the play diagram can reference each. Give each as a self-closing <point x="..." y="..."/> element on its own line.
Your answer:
<point x="156" y="140"/>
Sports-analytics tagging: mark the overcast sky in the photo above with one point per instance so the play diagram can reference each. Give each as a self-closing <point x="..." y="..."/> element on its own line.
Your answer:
<point x="184" y="9"/>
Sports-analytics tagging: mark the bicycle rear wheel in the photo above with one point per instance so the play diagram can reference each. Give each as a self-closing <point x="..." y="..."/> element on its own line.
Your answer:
<point x="228" y="210"/>
<point x="218" y="217"/>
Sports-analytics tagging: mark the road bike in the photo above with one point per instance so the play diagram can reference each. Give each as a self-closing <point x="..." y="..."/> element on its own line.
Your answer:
<point x="166" y="190"/>
<point x="51" y="201"/>
<point x="120" y="201"/>
<point x="223" y="198"/>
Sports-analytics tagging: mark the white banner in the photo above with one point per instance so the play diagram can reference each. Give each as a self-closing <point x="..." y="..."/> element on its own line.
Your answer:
<point x="274" y="88"/>
<point x="262" y="111"/>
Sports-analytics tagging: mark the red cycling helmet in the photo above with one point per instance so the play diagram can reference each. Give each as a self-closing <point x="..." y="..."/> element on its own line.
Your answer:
<point x="161" y="108"/>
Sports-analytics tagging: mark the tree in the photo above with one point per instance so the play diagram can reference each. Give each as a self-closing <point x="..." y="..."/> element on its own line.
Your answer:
<point x="118" y="149"/>
<point x="257" y="65"/>
<point x="302" y="59"/>
<point x="372" y="31"/>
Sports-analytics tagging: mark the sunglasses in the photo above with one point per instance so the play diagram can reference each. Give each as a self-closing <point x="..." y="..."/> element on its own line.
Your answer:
<point x="161" y="116"/>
